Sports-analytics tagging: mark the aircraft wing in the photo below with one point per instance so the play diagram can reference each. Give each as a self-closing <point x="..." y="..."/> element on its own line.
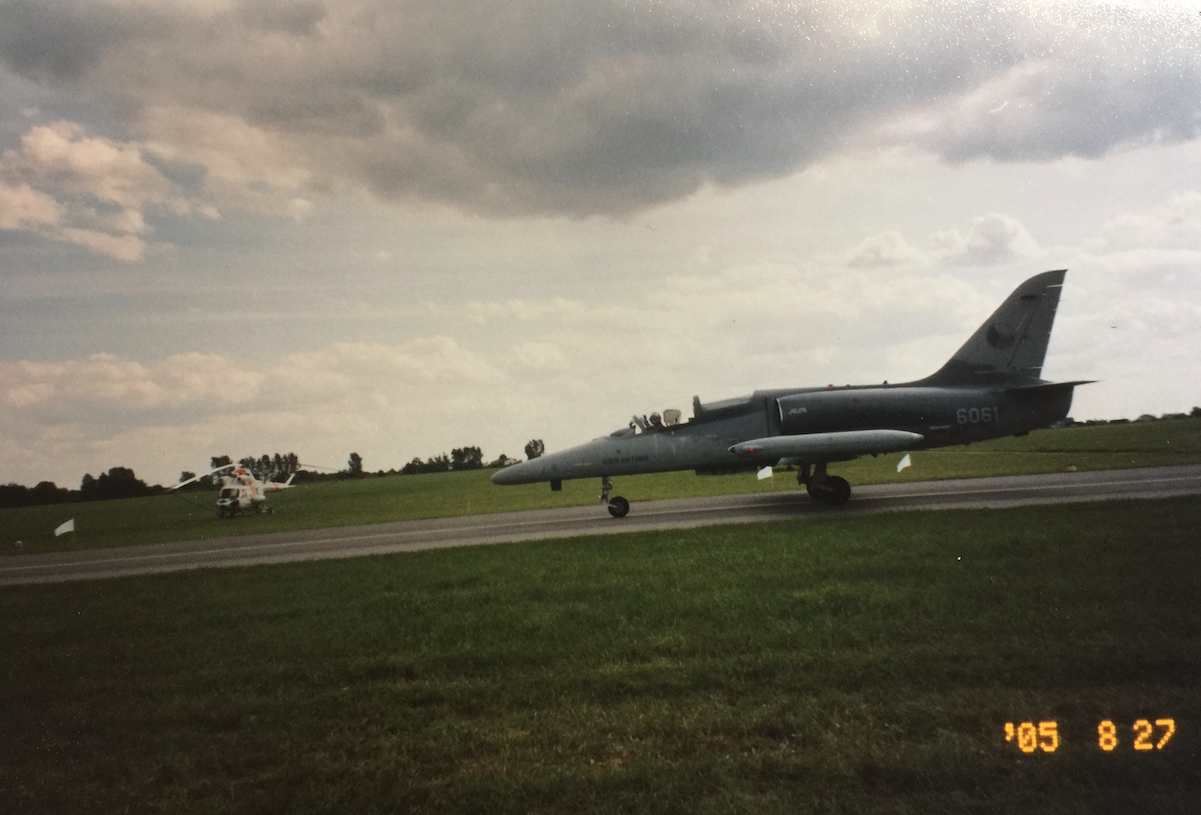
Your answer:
<point x="845" y="443"/>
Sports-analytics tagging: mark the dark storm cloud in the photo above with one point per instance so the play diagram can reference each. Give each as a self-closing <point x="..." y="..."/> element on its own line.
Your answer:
<point x="606" y="107"/>
<point x="63" y="40"/>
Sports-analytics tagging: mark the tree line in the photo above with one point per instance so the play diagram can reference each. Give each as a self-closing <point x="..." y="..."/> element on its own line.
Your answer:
<point x="468" y="458"/>
<point x="264" y="468"/>
<point x="122" y="482"/>
<point x="118" y="482"/>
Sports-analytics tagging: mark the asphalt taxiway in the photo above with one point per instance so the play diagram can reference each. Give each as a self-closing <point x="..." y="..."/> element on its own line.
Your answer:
<point x="407" y="536"/>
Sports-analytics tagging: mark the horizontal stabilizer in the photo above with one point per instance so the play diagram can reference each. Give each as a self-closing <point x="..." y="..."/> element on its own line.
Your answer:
<point x="847" y="443"/>
<point x="1049" y="386"/>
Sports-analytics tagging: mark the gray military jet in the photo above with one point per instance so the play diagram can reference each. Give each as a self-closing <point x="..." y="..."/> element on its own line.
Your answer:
<point x="990" y="388"/>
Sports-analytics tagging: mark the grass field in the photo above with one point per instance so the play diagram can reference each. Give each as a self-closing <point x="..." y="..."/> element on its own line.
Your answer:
<point x="192" y="516"/>
<point x="837" y="664"/>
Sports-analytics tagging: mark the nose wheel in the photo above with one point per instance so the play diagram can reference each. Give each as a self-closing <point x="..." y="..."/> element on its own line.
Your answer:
<point x="618" y="507"/>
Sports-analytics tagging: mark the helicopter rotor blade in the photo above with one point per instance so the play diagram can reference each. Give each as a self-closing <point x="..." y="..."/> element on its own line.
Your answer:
<point x="196" y="478"/>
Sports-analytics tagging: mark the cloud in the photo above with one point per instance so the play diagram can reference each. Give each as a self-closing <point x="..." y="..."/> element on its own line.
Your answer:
<point x="104" y="410"/>
<point x="756" y="326"/>
<point x="538" y="359"/>
<point x="992" y="240"/>
<point x="22" y="207"/>
<point x="245" y="166"/>
<point x="604" y="106"/>
<point x="1043" y="107"/>
<point x="76" y="188"/>
<point x="886" y="249"/>
<point x="1174" y="224"/>
<point x="105" y="383"/>
<point x="353" y="370"/>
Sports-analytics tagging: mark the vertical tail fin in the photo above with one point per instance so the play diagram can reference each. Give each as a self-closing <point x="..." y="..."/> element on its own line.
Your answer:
<point x="1011" y="344"/>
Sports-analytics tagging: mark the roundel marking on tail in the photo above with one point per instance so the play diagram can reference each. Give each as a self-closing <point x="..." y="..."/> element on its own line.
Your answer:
<point x="1000" y="335"/>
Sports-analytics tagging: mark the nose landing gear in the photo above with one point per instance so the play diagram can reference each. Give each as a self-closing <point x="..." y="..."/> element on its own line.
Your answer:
<point x="618" y="507"/>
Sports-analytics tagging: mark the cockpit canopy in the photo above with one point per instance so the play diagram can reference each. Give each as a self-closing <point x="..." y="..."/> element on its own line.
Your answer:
<point x="649" y="424"/>
<point x="671" y="417"/>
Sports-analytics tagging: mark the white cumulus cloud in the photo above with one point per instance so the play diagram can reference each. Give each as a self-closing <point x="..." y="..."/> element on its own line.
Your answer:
<point x="22" y="207"/>
<point x="990" y="241"/>
<point x="71" y="414"/>
<point x="1174" y="224"/>
<point x="886" y="249"/>
<point x="69" y="186"/>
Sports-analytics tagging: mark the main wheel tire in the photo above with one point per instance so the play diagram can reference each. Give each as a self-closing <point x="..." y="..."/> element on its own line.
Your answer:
<point x="619" y="507"/>
<point x="834" y="491"/>
<point x="840" y="490"/>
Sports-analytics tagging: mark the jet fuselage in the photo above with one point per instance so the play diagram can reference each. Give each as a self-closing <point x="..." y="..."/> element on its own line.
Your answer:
<point x="990" y="387"/>
<point x="940" y="416"/>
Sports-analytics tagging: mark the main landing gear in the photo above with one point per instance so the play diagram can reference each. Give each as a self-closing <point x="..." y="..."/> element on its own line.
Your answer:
<point x="618" y="507"/>
<point x="830" y="489"/>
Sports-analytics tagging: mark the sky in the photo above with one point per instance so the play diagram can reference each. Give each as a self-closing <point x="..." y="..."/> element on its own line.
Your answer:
<point x="236" y="227"/>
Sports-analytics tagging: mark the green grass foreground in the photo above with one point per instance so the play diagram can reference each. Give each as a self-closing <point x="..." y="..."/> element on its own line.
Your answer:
<point x="192" y="516"/>
<point x="837" y="664"/>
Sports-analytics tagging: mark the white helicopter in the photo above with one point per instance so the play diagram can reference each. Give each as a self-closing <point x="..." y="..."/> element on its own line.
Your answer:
<point x="240" y="491"/>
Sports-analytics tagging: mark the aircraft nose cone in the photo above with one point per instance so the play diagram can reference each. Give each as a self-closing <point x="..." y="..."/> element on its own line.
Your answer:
<point x="509" y="475"/>
<point x="527" y="472"/>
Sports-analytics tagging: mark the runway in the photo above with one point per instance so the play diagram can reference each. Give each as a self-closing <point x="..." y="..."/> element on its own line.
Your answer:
<point x="408" y="536"/>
